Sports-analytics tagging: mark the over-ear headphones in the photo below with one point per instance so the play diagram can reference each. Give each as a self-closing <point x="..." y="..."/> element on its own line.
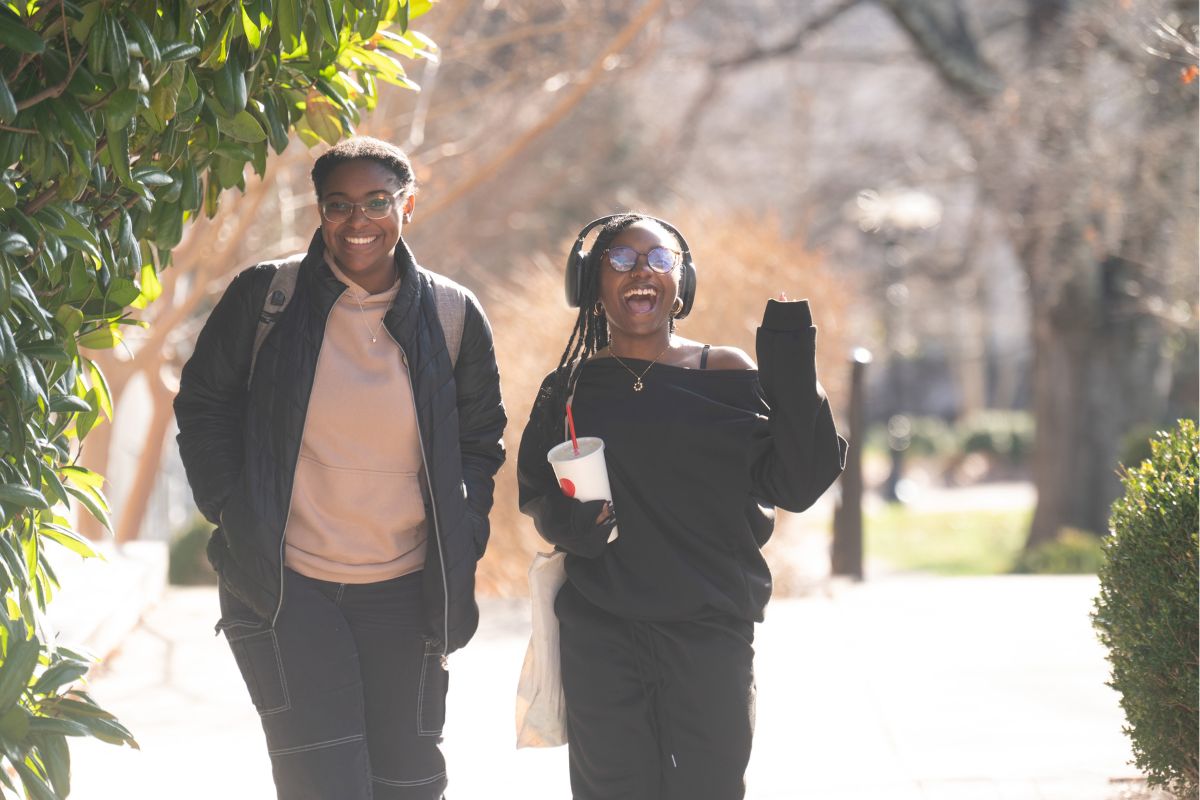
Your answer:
<point x="578" y="258"/>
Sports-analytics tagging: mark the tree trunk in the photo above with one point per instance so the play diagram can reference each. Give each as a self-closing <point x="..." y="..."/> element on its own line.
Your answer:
<point x="133" y="511"/>
<point x="1097" y="377"/>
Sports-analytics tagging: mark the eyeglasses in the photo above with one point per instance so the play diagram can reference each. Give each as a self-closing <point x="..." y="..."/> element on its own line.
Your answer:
<point x="660" y="259"/>
<point x="342" y="210"/>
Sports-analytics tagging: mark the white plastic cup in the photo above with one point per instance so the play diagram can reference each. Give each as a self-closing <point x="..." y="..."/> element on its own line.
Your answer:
<point x="583" y="476"/>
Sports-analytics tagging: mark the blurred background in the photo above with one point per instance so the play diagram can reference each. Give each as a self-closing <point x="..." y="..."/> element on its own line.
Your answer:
<point x="993" y="203"/>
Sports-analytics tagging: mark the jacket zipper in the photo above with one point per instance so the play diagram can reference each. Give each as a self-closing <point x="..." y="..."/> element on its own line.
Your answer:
<point x="292" y="489"/>
<point x="437" y="531"/>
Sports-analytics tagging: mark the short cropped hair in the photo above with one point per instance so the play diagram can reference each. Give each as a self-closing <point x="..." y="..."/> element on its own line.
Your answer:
<point x="364" y="148"/>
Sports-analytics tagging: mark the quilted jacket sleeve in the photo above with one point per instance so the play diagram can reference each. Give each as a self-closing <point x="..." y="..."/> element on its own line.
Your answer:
<point x="211" y="404"/>
<point x="481" y="417"/>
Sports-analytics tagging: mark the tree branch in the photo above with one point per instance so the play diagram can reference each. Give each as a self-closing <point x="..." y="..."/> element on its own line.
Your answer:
<point x="938" y="29"/>
<point x="758" y="54"/>
<point x="559" y="112"/>
<point x="57" y="89"/>
<point x="718" y="70"/>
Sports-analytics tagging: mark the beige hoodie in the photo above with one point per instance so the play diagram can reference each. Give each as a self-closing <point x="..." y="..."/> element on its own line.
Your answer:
<point x="358" y="513"/>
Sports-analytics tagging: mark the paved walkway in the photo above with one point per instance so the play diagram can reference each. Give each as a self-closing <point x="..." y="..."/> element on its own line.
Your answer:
<point x="900" y="688"/>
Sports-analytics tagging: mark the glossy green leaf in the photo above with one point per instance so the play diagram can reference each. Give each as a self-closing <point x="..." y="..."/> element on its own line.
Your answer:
<point x="55" y="725"/>
<point x="94" y="504"/>
<point x="118" y="154"/>
<point x="22" y="496"/>
<point x="36" y="783"/>
<point x="144" y="38"/>
<point x="57" y="758"/>
<point x="243" y="127"/>
<point x="69" y="539"/>
<point x="14" y="725"/>
<point x="118" y="47"/>
<point x="61" y="674"/>
<point x="101" y="338"/>
<point x="14" y="244"/>
<point x="250" y="30"/>
<point x="151" y="288"/>
<point x="17" y="669"/>
<point x="14" y="35"/>
<point x="8" y="105"/>
<point x="100" y="387"/>
<point x="70" y="318"/>
<point x="8" y="343"/>
<point x="179" y="51"/>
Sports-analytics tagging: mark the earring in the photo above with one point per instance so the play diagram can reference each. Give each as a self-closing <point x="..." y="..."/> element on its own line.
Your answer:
<point x="677" y="307"/>
<point x="598" y="309"/>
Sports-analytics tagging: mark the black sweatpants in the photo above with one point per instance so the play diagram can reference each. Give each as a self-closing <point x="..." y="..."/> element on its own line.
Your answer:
<point x="352" y="697"/>
<point x="655" y="710"/>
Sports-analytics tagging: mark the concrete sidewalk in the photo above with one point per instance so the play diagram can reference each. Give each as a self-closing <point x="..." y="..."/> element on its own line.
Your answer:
<point x="899" y="688"/>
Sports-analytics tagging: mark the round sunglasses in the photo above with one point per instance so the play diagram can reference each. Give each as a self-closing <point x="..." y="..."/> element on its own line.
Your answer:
<point x="660" y="259"/>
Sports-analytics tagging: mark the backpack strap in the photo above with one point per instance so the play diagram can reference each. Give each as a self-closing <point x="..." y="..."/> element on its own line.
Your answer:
<point x="450" y="297"/>
<point x="279" y="294"/>
<point x="452" y="314"/>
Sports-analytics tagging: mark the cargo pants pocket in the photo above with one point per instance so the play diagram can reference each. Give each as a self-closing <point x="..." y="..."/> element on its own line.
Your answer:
<point x="431" y="692"/>
<point x="256" y="651"/>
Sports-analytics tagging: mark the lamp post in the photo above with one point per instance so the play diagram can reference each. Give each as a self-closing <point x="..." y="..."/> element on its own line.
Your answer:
<point x="846" y="555"/>
<point x="894" y="214"/>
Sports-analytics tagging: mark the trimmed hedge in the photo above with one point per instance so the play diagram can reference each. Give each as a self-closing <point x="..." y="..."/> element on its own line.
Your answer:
<point x="1148" y="610"/>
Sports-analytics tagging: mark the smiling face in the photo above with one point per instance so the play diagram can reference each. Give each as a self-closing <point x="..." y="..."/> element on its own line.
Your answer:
<point x="363" y="247"/>
<point x="638" y="303"/>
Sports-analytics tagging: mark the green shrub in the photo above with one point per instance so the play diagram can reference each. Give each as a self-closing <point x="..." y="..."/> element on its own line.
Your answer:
<point x="1000" y="434"/>
<point x="1074" y="552"/>
<point x="1148" y="611"/>
<point x="188" y="560"/>
<point x="1135" y="444"/>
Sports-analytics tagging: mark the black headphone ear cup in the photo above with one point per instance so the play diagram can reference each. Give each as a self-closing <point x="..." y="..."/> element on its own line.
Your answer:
<point x="574" y="276"/>
<point x="687" y="288"/>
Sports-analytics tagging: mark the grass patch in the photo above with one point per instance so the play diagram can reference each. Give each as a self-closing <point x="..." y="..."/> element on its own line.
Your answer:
<point x="947" y="542"/>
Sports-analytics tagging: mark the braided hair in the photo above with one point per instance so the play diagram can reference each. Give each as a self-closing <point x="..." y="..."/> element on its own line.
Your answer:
<point x="590" y="334"/>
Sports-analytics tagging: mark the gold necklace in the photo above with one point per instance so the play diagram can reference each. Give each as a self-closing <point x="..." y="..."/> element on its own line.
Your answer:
<point x="637" y="384"/>
<point x="362" y="314"/>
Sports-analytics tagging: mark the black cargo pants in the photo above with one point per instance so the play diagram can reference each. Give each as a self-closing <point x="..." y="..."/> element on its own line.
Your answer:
<point x="351" y="694"/>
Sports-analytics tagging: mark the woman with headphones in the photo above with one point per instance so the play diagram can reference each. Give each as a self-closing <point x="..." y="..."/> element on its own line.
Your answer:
<point x="657" y="625"/>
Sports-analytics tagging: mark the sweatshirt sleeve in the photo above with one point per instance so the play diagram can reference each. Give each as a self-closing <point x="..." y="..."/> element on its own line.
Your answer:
<point x="802" y="455"/>
<point x="563" y="521"/>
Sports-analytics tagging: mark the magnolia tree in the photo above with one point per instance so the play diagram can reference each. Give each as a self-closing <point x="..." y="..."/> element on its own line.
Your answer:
<point x="119" y="123"/>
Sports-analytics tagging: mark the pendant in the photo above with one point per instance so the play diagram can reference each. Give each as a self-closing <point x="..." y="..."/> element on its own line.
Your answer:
<point x="373" y="340"/>
<point x="637" y="385"/>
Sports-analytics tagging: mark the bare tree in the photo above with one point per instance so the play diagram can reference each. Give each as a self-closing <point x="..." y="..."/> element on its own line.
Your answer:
<point x="1085" y="140"/>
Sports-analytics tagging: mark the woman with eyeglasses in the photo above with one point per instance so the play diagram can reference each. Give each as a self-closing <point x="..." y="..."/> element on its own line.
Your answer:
<point x="657" y="625"/>
<point x="340" y="423"/>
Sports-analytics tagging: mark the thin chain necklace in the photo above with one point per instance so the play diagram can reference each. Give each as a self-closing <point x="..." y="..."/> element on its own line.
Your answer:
<point x="637" y="384"/>
<point x="362" y="314"/>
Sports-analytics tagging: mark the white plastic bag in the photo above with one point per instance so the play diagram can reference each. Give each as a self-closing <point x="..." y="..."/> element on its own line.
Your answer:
<point x="541" y="709"/>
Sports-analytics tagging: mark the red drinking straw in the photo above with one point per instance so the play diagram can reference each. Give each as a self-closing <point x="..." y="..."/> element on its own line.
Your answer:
<point x="571" y="426"/>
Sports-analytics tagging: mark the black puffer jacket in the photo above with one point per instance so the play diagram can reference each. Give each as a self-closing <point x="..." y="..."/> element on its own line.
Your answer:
<point x="240" y="446"/>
